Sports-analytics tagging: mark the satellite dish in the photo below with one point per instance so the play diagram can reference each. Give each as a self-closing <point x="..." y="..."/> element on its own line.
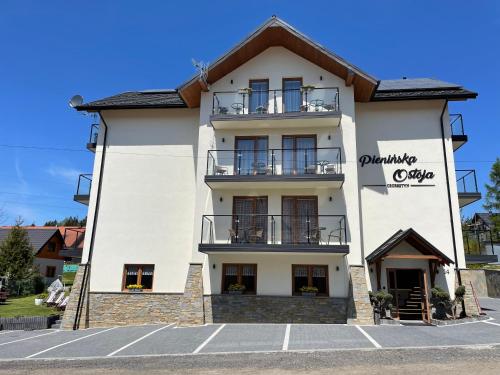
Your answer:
<point x="76" y="101"/>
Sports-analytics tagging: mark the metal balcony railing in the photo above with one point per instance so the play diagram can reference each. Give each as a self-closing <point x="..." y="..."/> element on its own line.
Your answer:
<point x="466" y="181"/>
<point x="261" y="229"/>
<point x="282" y="161"/>
<point x="457" y="124"/>
<point x="479" y="241"/>
<point x="304" y="99"/>
<point x="84" y="185"/>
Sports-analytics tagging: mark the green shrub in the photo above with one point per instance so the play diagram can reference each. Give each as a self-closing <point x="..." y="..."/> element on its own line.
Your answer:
<point x="236" y="287"/>
<point x="309" y="289"/>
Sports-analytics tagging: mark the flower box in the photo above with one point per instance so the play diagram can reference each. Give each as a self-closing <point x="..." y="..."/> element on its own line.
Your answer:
<point x="309" y="294"/>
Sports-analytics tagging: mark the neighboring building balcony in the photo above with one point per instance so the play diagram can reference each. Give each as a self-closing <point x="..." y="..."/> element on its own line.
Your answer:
<point x="467" y="187"/>
<point x="458" y="136"/>
<point x="252" y="109"/>
<point x="83" y="189"/>
<point x="94" y="133"/>
<point x="275" y="168"/>
<point x="481" y="245"/>
<point x="256" y="233"/>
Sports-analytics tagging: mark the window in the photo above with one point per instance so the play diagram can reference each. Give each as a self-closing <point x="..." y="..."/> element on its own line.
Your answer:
<point x="292" y="96"/>
<point x="244" y="274"/>
<point x="50" y="271"/>
<point x="51" y="247"/>
<point x="138" y="274"/>
<point x="299" y="154"/>
<point x="310" y="275"/>
<point x="250" y="156"/>
<point x="259" y="97"/>
<point x="250" y="220"/>
<point x="300" y="223"/>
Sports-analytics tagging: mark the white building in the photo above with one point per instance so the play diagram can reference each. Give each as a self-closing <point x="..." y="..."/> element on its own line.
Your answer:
<point x="280" y="166"/>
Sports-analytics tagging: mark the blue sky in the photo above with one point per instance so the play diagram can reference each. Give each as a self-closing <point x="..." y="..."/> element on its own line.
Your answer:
<point x="51" y="50"/>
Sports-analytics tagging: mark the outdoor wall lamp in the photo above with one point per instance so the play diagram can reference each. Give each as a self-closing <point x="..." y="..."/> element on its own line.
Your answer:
<point x="213" y="266"/>
<point x="221" y="199"/>
<point x="329" y="137"/>
<point x="330" y="199"/>
<point x="223" y="139"/>
<point x="321" y="78"/>
<point x="337" y="268"/>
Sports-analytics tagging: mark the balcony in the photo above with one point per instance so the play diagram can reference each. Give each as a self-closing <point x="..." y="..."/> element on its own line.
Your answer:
<point x="467" y="187"/>
<point x="83" y="189"/>
<point x="458" y="136"/>
<point x="247" y="109"/>
<point x="480" y="245"/>
<point x="94" y="133"/>
<point x="255" y="233"/>
<point x="297" y="168"/>
<point x="73" y="243"/>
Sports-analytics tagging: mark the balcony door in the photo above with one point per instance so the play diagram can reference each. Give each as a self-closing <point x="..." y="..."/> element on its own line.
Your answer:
<point x="292" y="96"/>
<point x="259" y="96"/>
<point x="299" y="154"/>
<point x="250" y="156"/>
<point x="249" y="220"/>
<point x="300" y="220"/>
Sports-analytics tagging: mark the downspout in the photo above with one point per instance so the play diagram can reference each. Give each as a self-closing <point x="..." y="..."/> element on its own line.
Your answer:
<point x="86" y="278"/>
<point x="452" y="223"/>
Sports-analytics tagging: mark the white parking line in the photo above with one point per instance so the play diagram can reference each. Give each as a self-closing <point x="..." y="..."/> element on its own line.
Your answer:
<point x="372" y="340"/>
<point x="139" y="339"/>
<point x="68" y="342"/>
<point x="27" y="338"/>
<point x="4" y="332"/>
<point x="488" y="322"/>
<point x="197" y="350"/>
<point x="287" y="337"/>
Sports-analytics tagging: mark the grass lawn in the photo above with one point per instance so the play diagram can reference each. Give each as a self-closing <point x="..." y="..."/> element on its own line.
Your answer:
<point x="68" y="278"/>
<point x="24" y="306"/>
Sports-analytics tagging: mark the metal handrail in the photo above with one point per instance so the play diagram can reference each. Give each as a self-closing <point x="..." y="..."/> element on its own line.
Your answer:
<point x="463" y="182"/>
<point x="312" y="233"/>
<point x="456" y="121"/>
<point x="306" y="103"/>
<point x="87" y="177"/>
<point x="213" y="168"/>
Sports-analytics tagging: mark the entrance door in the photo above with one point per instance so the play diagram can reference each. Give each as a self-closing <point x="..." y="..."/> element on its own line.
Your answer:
<point x="299" y="154"/>
<point x="410" y="294"/>
<point x="300" y="220"/>
<point x="250" y="156"/>
<point x="249" y="220"/>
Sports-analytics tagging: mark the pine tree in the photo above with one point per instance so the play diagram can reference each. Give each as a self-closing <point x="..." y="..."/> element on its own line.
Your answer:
<point x="16" y="255"/>
<point x="492" y="199"/>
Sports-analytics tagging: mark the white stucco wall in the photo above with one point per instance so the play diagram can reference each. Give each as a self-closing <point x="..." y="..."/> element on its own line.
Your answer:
<point x="414" y="128"/>
<point x="147" y="200"/>
<point x="42" y="264"/>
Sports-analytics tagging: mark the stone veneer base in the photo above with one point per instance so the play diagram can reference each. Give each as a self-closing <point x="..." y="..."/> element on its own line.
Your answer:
<point x="274" y="309"/>
<point x="119" y="309"/>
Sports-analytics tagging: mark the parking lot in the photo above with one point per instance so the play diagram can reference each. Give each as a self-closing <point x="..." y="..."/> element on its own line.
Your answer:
<point x="156" y="340"/>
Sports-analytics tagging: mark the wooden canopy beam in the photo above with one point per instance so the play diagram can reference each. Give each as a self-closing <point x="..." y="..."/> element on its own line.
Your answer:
<point x="401" y="256"/>
<point x="350" y="77"/>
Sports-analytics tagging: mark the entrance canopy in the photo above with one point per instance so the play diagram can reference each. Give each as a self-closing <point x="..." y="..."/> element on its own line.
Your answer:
<point x="427" y="250"/>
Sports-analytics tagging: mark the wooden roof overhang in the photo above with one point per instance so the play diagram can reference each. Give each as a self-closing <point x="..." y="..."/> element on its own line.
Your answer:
<point x="276" y="32"/>
<point x="427" y="250"/>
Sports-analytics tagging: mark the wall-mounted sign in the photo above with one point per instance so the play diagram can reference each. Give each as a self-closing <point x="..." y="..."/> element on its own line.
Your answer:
<point x="404" y="175"/>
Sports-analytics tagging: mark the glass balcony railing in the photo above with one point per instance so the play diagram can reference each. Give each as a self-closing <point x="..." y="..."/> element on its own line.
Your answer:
<point x="252" y="102"/>
<point x="286" y="162"/>
<point x="257" y="229"/>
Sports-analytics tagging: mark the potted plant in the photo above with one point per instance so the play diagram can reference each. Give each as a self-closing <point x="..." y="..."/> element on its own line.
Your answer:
<point x="135" y="288"/>
<point x="236" y="288"/>
<point x="382" y="305"/>
<point x="459" y="298"/>
<point x="309" y="291"/>
<point x="440" y="300"/>
<point x="40" y="298"/>
<point x="307" y="88"/>
<point x="245" y="90"/>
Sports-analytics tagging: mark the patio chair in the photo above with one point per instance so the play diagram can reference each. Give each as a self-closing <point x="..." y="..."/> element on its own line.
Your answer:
<point x="335" y="234"/>
<point x="311" y="169"/>
<point x="331" y="168"/>
<point x="62" y="305"/>
<point x="223" y="110"/>
<point x="52" y="297"/>
<point x="255" y="235"/>
<point x="219" y="170"/>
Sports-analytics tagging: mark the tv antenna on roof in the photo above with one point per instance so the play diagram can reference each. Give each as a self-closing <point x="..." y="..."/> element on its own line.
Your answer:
<point x="202" y="69"/>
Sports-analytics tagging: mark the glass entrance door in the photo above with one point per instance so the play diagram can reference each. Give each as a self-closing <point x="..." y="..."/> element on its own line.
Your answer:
<point x="300" y="220"/>
<point x="299" y="154"/>
<point x="249" y="220"/>
<point x="250" y="156"/>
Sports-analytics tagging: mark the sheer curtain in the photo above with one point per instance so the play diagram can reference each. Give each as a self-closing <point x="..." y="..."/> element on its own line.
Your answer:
<point x="259" y="97"/>
<point x="292" y="97"/>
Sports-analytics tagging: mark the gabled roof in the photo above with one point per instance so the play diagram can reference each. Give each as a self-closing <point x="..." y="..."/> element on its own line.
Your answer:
<point x="276" y="32"/>
<point x="38" y="236"/>
<point x="485" y="217"/>
<point x="167" y="98"/>
<point x="414" y="239"/>
<point x="420" y="88"/>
